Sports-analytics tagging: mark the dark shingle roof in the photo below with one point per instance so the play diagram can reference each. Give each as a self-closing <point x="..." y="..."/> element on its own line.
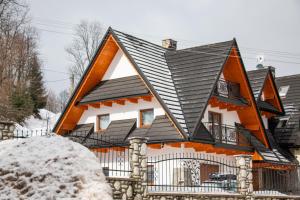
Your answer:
<point x="161" y="130"/>
<point x="195" y="71"/>
<point x="263" y="105"/>
<point x="271" y="155"/>
<point x="114" y="135"/>
<point x="292" y="100"/>
<point x="289" y="136"/>
<point x="151" y="64"/>
<point x="116" y="88"/>
<point x="118" y="132"/>
<point x="257" y="79"/>
<point x="81" y="132"/>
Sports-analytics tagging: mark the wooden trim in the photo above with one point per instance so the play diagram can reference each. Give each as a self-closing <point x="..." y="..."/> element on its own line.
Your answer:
<point x="107" y="103"/>
<point x="141" y="117"/>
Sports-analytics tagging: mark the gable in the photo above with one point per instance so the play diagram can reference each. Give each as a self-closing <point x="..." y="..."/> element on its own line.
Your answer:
<point x="195" y="71"/>
<point x="265" y="91"/>
<point x="91" y="77"/>
<point x="156" y="77"/>
<point x="270" y="94"/>
<point x="249" y="116"/>
<point x="120" y="67"/>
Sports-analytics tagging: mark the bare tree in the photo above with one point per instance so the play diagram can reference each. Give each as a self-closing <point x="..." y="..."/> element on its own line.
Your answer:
<point x="83" y="47"/>
<point x="52" y="102"/>
<point x="63" y="98"/>
<point x="21" y="79"/>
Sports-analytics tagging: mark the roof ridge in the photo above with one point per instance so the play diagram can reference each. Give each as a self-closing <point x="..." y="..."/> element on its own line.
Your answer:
<point x="206" y="45"/>
<point x="288" y="76"/>
<point x="130" y="35"/>
<point x="255" y="70"/>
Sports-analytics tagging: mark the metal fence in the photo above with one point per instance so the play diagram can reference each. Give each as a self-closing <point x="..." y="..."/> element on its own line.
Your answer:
<point x="191" y="172"/>
<point x="277" y="182"/>
<point x="18" y="134"/>
<point x="114" y="161"/>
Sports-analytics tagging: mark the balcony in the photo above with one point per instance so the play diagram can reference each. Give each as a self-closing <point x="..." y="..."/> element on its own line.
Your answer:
<point x="227" y="89"/>
<point x="227" y="134"/>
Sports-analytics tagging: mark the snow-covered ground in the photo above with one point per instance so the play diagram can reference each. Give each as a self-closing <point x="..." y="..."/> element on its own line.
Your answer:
<point x="47" y="122"/>
<point x="50" y="168"/>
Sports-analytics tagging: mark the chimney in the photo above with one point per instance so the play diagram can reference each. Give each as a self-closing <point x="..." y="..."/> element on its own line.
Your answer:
<point x="273" y="69"/>
<point x="169" y="44"/>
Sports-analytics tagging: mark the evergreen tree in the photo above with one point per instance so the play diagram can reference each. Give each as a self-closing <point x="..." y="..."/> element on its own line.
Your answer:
<point x="36" y="87"/>
<point x="21" y="104"/>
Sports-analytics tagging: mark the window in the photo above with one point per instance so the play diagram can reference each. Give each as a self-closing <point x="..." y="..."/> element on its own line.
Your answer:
<point x="102" y="122"/>
<point x="215" y="124"/>
<point x="105" y="171"/>
<point x="150" y="174"/>
<point x="146" y="117"/>
<point x="283" y="90"/>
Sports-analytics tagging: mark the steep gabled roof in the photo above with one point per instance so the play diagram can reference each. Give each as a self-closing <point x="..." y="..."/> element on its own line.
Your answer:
<point x="182" y="81"/>
<point x="195" y="72"/>
<point x="149" y="60"/>
<point x="257" y="79"/>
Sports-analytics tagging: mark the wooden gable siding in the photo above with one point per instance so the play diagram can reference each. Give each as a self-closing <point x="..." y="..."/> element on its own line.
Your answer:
<point x="100" y="64"/>
<point x="270" y="92"/>
<point x="249" y="116"/>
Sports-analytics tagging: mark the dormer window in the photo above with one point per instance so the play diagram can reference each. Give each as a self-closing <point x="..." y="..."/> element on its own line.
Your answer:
<point x="283" y="90"/>
<point x="102" y="122"/>
<point x="146" y="117"/>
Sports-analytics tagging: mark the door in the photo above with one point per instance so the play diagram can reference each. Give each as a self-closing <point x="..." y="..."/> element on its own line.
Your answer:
<point x="206" y="170"/>
<point x="215" y="122"/>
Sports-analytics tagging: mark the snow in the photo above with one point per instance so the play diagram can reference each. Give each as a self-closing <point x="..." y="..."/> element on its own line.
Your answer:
<point x="51" y="167"/>
<point x="47" y="121"/>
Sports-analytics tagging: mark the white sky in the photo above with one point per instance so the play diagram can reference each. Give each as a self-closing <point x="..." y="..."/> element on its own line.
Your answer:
<point x="268" y="27"/>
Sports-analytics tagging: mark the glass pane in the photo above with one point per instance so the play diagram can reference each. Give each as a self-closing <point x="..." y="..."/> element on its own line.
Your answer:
<point x="147" y="117"/>
<point x="104" y="121"/>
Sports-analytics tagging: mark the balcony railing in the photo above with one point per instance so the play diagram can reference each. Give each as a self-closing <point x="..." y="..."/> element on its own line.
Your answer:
<point x="227" y="89"/>
<point x="226" y="134"/>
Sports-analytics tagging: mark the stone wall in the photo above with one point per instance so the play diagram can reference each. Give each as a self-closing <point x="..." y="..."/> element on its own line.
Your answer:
<point x="135" y="187"/>
<point x="122" y="188"/>
<point x="6" y="130"/>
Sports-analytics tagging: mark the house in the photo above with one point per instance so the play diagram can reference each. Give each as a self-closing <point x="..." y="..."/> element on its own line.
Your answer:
<point x="193" y="104"/>
<point x="287" y="131"/>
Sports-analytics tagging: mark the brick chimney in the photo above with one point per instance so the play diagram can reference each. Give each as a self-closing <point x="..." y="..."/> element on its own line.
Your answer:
<point x="169" y="44"/>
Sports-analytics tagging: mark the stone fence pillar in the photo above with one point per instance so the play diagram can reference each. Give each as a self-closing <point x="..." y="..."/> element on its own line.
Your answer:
<point x="6" y="130"/>
<point x="138" y="164"/>
<point x="244" y="175"/>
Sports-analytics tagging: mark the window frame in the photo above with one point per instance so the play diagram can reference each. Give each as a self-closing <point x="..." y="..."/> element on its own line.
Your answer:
<point x="98" y="127"/>
<point x="141" y="117"/>
<point x="283" y="90"/>
<point x="150" y="174"/>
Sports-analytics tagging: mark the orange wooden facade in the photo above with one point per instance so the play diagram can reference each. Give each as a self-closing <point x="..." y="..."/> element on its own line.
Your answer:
<point x="249" y="116"/>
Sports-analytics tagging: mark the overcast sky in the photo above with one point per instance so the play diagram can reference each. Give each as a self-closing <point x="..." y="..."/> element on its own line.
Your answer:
<point x="261" y="27"/>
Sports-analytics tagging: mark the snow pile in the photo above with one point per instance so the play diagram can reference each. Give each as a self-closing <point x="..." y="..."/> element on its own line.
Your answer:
<point x="47" y="121"/>
<point x="50" y="168"/>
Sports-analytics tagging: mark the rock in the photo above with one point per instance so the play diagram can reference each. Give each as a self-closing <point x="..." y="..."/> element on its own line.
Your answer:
<point x="117" y="185"/>
<point x="129" y="191"/>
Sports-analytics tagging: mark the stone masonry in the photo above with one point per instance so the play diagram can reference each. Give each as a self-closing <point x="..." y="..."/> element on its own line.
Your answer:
<point x="244" y="175"/>
<point x="122" y="188"/>
<point x="6" y="130"/>
<point x="138" y="164"/>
